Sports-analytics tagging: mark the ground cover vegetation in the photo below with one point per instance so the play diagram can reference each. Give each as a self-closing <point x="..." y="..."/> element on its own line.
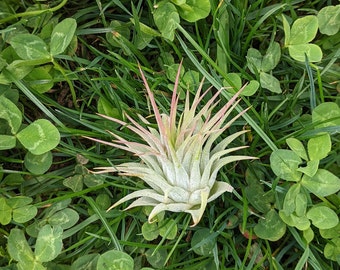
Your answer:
<point x="102" y="102"/>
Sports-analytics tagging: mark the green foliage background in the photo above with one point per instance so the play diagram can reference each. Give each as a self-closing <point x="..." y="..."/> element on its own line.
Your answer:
<point x="63" y="62"/>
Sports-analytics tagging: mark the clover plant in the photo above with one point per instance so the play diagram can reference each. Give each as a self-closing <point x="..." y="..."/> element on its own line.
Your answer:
<point x="29" y="57"/>
<point x="39" y="137"/>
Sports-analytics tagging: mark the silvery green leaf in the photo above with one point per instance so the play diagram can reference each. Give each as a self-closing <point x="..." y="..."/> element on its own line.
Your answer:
<point x="180" y="162"/>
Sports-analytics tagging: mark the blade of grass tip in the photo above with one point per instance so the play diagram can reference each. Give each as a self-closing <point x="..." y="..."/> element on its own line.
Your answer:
<point x="136" y="52"/>
<point x="71" y="195"/>
<point x="120" y="4"/>
<point x="105" y="223"/>
<point x="216" y="257"/>
<point x="235" y="253"/>
<point x="73" y="230"/>
<point x="318" y="75"/>
<point x="217" y="85"/>
<point x="212" y="235"/>
<point x="311" y="84"/>
<point x="184" y="231"/>
<point x="160" y="244"/>
<point x="245" y="214"/>
<point x="213" y="64"/>
<point x="267" y="14"/>
<point x="330" y="64"/>
<point x="203" y="53"/>
<point x="272" y="257"/>
<point x="221" y="22"/>
<point x="80" y="244"/>
<point x="223" y="57"/>
<point x="303" y="259"/>
<point x="101" y="12"/>
<point x="255" y="255"/>
<point x="70" y="84"/>
<point x="34" y="99"/>
<point x="312" y="260"/>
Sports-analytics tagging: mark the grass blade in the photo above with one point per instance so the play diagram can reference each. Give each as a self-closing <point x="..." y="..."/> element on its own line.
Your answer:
<point x="105" y="223"/>
<point x="218" y="85"/>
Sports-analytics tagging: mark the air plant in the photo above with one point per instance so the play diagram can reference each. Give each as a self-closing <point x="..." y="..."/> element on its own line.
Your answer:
<point x="179" y="159"/>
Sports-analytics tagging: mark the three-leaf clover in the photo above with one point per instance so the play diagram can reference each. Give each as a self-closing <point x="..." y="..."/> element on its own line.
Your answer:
<point x="299" y="36"/>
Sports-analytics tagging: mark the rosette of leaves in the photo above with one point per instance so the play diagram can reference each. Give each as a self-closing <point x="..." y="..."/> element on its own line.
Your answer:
<point x="180" y="161"/>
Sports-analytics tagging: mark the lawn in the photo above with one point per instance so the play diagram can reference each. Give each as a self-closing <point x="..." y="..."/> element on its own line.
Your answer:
<point x="169" y="135"/>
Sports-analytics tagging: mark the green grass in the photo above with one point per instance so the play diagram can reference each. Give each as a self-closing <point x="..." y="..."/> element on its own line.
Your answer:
<point x="104" y="74"/>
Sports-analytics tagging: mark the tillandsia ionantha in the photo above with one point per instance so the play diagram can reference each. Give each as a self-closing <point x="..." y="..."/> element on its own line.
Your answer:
<point x="179" y="159"/>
